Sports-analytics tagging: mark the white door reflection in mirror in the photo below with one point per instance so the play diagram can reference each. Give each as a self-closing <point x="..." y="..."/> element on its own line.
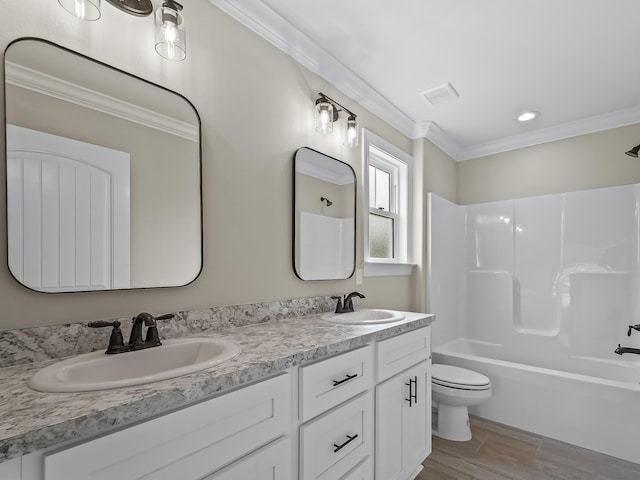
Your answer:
<point x="324" y="217"/>
<point x="68" y="213"/>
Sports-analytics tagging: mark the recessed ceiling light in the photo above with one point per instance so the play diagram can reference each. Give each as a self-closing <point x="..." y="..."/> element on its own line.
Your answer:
<point x="526" y="116"/>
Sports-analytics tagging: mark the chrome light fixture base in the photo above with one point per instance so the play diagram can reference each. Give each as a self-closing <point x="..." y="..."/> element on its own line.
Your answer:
<point x="139" y="8"/>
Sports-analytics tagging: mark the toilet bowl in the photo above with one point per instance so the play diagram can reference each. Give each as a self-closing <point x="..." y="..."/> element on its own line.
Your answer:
<point x="455" y="389"/>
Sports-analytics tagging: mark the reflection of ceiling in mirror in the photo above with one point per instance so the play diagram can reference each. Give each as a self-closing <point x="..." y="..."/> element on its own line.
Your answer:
<point x="51" y="70"/>
<point x="318" y="165"/>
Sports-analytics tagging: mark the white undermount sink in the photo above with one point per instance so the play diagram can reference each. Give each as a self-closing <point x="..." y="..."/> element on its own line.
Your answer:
<point x="98" y="371"/>
<point x="364" y="317"/>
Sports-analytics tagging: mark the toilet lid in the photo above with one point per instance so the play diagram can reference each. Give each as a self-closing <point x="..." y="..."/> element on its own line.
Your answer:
<point x="448" y="375"/>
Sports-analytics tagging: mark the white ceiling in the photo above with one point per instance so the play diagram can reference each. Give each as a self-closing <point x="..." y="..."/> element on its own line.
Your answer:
<point x="575" y="61"/>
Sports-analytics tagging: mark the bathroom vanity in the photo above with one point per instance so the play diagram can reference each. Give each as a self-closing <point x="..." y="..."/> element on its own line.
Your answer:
<point x="305" y="399"/>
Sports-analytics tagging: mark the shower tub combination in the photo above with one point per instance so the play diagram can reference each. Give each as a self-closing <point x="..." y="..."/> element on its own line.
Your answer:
<point x="536" y="294"/>
<point x="590" y="403"/>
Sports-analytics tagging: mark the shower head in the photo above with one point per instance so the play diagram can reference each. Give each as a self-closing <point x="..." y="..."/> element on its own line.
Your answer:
<point x="329" y="202"/>
<point x="634" y="151"/>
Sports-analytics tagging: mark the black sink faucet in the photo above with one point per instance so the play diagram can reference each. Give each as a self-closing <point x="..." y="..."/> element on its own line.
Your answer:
<point x="348" y="301"/>
<point x="346" y="306"/>
<point x="620" y="350"/>
<point x="152" y="339"/>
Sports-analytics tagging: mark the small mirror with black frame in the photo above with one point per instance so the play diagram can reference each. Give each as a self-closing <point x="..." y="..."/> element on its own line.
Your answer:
<point x="324" y="217"/>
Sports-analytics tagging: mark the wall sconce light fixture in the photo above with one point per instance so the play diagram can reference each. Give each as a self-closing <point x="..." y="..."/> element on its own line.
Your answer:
<point x="170" y="34"/>
<point x="634" y="151"/>
<point x="327" y="111"/>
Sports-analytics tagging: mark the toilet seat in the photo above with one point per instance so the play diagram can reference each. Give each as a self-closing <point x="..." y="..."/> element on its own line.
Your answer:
<point x="458" y="378"/>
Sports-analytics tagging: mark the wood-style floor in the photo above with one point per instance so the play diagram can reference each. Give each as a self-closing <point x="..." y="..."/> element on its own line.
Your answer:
<point x="497" y="452"/>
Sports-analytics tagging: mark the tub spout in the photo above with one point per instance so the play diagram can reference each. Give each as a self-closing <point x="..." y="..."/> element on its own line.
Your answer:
<point x="620" y="350"/>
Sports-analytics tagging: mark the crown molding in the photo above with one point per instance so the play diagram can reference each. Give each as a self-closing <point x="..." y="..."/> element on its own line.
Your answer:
<point x="593" y="124"/>
<point x="44" y="84"/>
<point x="263" y="20"/>
<point x="318" y="168"/>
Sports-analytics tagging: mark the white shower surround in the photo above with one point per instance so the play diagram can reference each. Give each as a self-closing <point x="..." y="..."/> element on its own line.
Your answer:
<point x="536" y="293"/>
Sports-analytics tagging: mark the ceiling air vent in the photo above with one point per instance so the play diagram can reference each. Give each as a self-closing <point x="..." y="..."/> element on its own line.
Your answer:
<point x="441" y="93"/>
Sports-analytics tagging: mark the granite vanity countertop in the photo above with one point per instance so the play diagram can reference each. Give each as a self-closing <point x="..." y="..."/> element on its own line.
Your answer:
<point x="31" y="420"/>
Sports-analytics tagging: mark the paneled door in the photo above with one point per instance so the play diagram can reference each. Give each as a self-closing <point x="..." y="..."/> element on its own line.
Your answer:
<point x="67" y="213"/>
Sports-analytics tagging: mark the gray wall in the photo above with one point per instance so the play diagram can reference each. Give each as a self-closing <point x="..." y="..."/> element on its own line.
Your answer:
<point x="256" y="106"/>
<point x="579" y="163"/>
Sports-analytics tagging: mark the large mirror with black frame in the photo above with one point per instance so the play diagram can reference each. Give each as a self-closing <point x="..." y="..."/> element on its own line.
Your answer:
<point x="324" y="217"/>
<point x="103" y="175"/>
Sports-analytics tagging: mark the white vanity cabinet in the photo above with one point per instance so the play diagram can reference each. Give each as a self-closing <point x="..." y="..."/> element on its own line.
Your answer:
<point x="403" y="405"/>
<point x="193" y="443"/>
<point x="336" y="398"/>
<point x="360" y="415"/>
<point x="381" y="392"/>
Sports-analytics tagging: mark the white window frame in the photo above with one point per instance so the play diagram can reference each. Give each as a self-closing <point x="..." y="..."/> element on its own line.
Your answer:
<point x="387" y="155"/>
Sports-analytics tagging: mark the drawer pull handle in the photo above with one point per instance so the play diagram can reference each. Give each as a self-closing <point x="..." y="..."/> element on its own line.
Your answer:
<point x="337" y="448"/>
<point x="413" y="395"/>
<point x="346" y="379"/>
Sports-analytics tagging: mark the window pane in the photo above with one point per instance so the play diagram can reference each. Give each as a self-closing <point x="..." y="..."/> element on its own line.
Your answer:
<point x="372" y="186"/>
<point x="380" y="236"/>
<point x="383" y="187"/>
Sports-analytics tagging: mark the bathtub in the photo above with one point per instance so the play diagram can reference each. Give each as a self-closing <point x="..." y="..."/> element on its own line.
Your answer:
<point x="592" y="403"/>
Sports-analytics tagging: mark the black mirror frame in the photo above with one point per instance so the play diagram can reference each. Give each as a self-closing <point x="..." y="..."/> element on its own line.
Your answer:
<point x="293" y="214"/>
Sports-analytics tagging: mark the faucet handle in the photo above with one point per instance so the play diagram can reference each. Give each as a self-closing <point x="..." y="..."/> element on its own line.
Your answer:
<point x="116" y="342"/>
<point x="339" y="308"/>
<point x="633" y="327"/>
<point x="153" y="338"/>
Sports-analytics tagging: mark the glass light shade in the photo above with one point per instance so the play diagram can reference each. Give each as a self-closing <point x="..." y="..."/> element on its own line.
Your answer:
<point x="170" y="33"/>
<point x="351" y="133"/>
<point x="324" y="116"/>
<point x="83" y="9"/>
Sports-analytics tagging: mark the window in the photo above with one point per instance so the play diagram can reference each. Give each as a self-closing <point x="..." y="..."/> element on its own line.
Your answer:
<point x="383" y="211"/>
<point x="387" y="230"/>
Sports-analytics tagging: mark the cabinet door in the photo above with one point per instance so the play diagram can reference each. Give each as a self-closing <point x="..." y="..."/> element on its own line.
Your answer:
<point x="272" y="462"/>
<point x="10" y="469"/>
<point x="187" y="444"/>
<point x="402" y="424"/>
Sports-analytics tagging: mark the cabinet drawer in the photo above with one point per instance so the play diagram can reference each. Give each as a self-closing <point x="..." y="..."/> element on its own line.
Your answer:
<point x="330" y="382"/>
<point x="399" y="353"/>
<point x="187" y="444"/>
<point x="334" y="443"/>
<point x="272" y="462"/>
<point x="364" y="471"/>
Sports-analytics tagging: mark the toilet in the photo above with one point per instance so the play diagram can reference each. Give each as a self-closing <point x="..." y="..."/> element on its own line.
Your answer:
<point x="455" y="389"/>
